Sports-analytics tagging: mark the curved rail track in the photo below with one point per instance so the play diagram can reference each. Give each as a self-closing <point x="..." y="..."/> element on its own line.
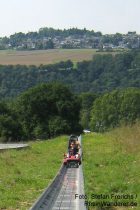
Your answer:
<point x="61" y="194"/>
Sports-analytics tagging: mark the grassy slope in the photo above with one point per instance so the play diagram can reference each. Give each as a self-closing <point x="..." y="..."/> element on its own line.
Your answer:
<point x="112" y="163"/>
<point x="38" y="57"/>
<point x="25" y="173"/>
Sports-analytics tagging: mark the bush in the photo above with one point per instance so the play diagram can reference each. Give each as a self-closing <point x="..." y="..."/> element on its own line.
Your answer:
<point x="48" y="110"/>
<point x="112" y="109"/>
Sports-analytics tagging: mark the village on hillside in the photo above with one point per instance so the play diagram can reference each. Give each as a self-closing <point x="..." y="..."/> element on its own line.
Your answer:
<point x="48" y="38"/>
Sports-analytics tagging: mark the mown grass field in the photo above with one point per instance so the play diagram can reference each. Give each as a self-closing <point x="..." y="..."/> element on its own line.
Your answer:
<point x="24" y="174"/>
<point x="112" y="165"/>
<point x="38" y="57"/>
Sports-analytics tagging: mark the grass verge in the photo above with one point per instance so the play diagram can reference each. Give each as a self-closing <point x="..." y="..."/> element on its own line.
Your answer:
<point x="24" y="174"/>
<point x="112" y="166"/>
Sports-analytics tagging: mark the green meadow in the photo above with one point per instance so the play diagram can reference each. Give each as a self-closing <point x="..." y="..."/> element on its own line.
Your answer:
<point x="112" y="166"/>
<point x="24" y="174"/>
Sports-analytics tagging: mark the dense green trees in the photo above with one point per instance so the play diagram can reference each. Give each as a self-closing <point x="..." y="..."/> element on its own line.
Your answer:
<point x="10" y="127"/>
<point x="102" y="74"/>
<point x="51" y="32"/>
<point x="41" y="112"/>
<point x="14" y="80"/>
<point x="51" y="109"/>
<point x="112" y="109"/>
<point x="86" y="100"/>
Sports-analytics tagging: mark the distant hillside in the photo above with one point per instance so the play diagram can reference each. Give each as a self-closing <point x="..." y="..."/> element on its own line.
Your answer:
<point x="50" y="38"/>
<point x="102" y="74"/>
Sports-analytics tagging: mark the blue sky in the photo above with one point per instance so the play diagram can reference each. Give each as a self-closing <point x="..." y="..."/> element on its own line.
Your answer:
<point x="107" y="16"/>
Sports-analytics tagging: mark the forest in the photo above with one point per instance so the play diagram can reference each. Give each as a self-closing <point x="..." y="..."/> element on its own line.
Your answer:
<point x="50" y="100"/>
<point x="41" y="112"/>
<point x="49" y="110"/>
<point x="103" y="73"/>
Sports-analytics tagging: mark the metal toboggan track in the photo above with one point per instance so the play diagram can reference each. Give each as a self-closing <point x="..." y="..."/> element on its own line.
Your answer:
<point x="60" y="195"/>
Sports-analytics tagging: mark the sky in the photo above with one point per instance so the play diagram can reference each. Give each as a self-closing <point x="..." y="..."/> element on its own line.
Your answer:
<point x="107" y="16"/>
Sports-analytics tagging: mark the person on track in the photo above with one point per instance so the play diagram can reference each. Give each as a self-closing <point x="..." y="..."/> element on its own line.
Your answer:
<point x="75" y="146"/>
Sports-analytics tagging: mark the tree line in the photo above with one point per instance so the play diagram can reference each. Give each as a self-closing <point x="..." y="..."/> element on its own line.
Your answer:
<point x="84" y="100"/>
<point x="49" y="38"/>
<point x="115" y="108"/>
<point x="103" y="73"/>
<point x="41" y="112"/>
<point x="49" y="110"/>
<point x="19" y="39"/>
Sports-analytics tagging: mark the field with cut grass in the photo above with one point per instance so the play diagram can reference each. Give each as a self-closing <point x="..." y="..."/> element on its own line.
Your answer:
<point x="112" y="166"/>
<point x="24" y="174"/>
<point x="38" y="57"/>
